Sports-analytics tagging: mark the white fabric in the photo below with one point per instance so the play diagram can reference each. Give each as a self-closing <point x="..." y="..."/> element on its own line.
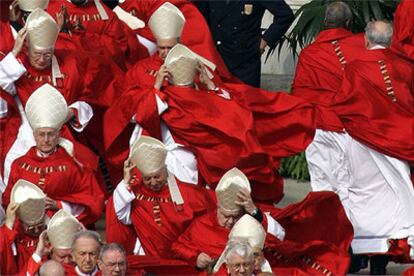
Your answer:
<point x="122" y="203"/>
<point x="150" y="45"/>
<point x="10" y="71"/>
<point x="375" y="189"/>
<point x="138" y="249"/>
<point x="72" y="208"/>
<point x="36" y="258"/>
<point x="94" y="272"/>
<point x="3" y="108"/>
<point x="266" y="267"/>
<point x="85" y="114"/>
<point x="274" y="228"/>
<point x="133" y="22"/>
<point x="2" y="214"/>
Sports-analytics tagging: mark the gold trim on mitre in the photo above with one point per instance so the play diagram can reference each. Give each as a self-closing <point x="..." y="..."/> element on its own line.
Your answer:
<point x="46" y="107"/>
<point x="42" y="30"/>
<point x="182" y="64"/>
<point x="31" y="200"/>
<point x="148" y="155"/>
<point x="61" y="229"/>
<point x="31" y="5"/>
<point x="229" y="185"/>
<point x="246" y="229"/>
<point x="167" y="22"/>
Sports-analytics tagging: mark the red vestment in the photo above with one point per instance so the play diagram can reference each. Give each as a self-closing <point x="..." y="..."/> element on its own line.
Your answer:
<point x="61" y="179"/>
<point x="376" y="103"/>
<point x="320" y="68"/>
<point x="309" y="238"/>
<point x="25" y="246"/>
<point x="157" y="232"/>
<point x="403" y="34"/>
<point x="111" y="36"/>
<point x="196" y="34"/>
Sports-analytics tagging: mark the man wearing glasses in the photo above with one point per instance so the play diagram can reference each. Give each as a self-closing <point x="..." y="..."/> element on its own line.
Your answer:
<point x="112" y="260"/>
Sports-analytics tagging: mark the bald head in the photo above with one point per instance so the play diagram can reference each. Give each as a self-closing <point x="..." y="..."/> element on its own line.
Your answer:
<point x="338" y="15"/>
<point x="51" y="268"/>
<point x="378" y="33"/>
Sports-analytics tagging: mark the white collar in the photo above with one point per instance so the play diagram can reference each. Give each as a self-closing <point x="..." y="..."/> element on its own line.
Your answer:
<point x="84" y="274"/>
<point x="44" y="155"/>
<point x="376" y="47"/>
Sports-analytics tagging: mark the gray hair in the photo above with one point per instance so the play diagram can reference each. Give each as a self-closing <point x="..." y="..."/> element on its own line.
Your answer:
<point x="239" y="248"/>
<point x="379" y="33"/>
<point x="337" y="15"/>
<point x="86" y="234"/>
<point x="111" y="247"/>
<point x="51" y="268"/>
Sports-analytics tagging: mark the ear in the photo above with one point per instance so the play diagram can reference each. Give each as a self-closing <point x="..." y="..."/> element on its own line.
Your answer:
<point x="100" y="264"/>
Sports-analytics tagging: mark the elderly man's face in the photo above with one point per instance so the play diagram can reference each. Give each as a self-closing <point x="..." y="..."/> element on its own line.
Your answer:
<point x="258" y="258"/>
<point x="113" y="263"/>
<point x="165" y="45"/>
<point x="40" y="59"/>
<point x="239" y="265"/>
<point x="63" y="256"/>
<point x="46" y="139"/>
<point x="156" y="181"/>
<point x="226" y="219"/>
<point x="34" y="230"/>
<point x="85" y="254"/>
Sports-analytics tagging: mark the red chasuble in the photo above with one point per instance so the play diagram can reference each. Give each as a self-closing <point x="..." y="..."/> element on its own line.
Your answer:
<point x="403" y="34"/>
<point x="25" y="247"/>
<point x="112" y="35"/>
<point x="61" y="179"/>
<point x="156" y="220"/>
<point x="196" y="34"/>
<point x="376" y="103"/>
<point x="313" y="244"/>
<point x="320" y="69"/>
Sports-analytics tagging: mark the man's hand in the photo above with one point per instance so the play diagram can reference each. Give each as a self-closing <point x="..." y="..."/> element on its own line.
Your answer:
<point x="43" y="246"/>
<point x="245" y="200"/>
<point x="204" y="79"/>
<point x="18" y="43"/>
<point x="51" y="204"/>
<point x="11" y="215"/>
<point x="14" y="11"/>
<point x="163" y="74"/>
<point x="203" y="260"/>
<point x="263" y="45"/>
<point x="128" y="166"/>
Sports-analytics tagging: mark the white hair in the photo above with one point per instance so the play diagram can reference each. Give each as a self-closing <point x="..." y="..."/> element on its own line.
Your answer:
<point x="239" y="248"/>
<point x="379" y="36"/>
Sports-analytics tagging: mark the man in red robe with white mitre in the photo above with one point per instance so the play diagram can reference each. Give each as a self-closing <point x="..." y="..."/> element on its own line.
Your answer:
<point x="403" y="35"/>
<point x="151" y="199"/>
<point x="298" y="225"/>
<point x="376" y="106"/>
<point x="196" y="34"/>
<point x="75" y="76"/>
<point x="102" y="29"/>
<point x="283" y="124"/>
<point x="51" y="164"/>
<point x="25" y="220"/>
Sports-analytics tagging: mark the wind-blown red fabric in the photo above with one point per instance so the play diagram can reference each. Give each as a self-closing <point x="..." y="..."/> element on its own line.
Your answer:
<point x="369" y="113"/>
<point x="403" y="34"/>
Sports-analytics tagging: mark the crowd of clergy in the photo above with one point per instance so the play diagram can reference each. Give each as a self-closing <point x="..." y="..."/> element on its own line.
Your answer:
<point x="127" y="112"/>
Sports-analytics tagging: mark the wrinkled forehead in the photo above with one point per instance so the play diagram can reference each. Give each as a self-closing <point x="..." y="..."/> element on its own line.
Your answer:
<point x="167" y="43"/>
<point x="228" y="213"/>
<point x="45" y="130"/>
<point x="86" y="244"/>
<point x="41" y="51"/>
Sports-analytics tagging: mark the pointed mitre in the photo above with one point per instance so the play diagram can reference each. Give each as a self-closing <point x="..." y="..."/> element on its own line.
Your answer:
<point x="46" y="107"/>
<point x="182" y="64"/>
<point x="246" y="229"/>
<point x="31" y="200"/>
<point x="167" y="22"/>
<point x="42" y="30"/>
<point x="229" y="185"/>
<point x="31" y="5"/>
<point x="148" y="155"/>
<point x="61" y="229"/>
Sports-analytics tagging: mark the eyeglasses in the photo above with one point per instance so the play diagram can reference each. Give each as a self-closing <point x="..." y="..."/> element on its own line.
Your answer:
<point x="37" y="227"/>
<point x="238" y="266"/>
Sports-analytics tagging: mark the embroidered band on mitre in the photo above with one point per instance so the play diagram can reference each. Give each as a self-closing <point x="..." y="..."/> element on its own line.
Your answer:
<point x="246" y="229"/>
<point x="148" y="155"/>
<point x="61" y="229"/>
<point x="46" y="107"/>
<point x="167" y="22"/>
<point x="31" y="200"/>
<point x="42" y="30"/>
<point x="31" y="5"/>
<point x="229" y="185"/>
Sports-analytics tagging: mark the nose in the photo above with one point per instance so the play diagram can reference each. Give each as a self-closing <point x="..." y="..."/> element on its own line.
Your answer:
<point x="88" y="258"/>
<point x="66" y="260"/>
<point x="242" y="269"/>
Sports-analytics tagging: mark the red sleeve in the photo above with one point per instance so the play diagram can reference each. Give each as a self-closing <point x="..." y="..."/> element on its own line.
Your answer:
<point x="33" y="267"/>
<point x="8" y="264"/>
<point x="184" y="248"/>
